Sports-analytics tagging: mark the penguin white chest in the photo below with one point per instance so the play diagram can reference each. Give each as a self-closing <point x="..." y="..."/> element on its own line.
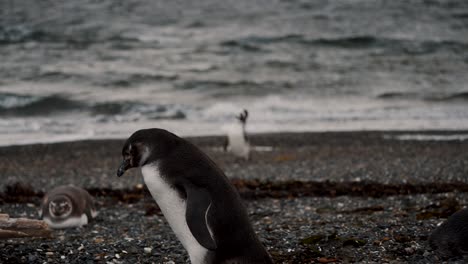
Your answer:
<point x="173" y="207"/>
<point x="67" y="223"/>
<point x="237" y="143"/>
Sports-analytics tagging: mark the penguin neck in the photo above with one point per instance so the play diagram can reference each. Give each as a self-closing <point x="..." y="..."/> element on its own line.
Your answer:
<point x="236" y="133"/>
<point x="153" y="179"/>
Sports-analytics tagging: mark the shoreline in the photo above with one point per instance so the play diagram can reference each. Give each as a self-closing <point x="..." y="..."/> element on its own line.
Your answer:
<point x="425" y="132"/>
<point x="370" y="156"/>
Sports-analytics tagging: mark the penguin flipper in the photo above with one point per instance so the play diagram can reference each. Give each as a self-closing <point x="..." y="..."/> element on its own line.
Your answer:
<point x="198" y="204"/>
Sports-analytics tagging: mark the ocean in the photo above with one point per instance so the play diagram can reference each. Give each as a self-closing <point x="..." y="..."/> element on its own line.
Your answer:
<point x="92" y="69"/>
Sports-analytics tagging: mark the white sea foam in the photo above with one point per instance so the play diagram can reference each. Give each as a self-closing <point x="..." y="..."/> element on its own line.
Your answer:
<point x="429" y="137"/>
<point x="266" y="114"/>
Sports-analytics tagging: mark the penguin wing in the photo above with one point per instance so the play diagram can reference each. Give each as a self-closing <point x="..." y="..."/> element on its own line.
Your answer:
<point x="198" y="204"/>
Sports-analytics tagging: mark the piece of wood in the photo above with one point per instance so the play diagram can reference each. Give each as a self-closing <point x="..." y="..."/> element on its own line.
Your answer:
<point x="22" y="227"/>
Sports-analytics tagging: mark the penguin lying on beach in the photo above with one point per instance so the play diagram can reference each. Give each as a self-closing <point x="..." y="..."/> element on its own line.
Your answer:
<point x="202" y="207"/>
<point x="451" y="238"/>
<point x="236" y="141"/>
<point x="66" y="207"/>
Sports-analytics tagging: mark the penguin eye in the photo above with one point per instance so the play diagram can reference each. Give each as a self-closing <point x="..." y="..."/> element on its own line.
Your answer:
<point x="128" y="152"/>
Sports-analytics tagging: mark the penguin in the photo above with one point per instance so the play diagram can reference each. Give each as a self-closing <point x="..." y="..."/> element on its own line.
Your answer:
<point x="451" y="238"/>
<point x="236" y="140"/>
<point x="67" y="206"/>
<point x="200" y="204"/>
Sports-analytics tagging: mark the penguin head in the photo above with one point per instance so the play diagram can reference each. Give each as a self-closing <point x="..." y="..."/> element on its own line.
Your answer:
<point x="60" y="207"/>
<point x="146" y="146"/>
<point x="242" y="117"/>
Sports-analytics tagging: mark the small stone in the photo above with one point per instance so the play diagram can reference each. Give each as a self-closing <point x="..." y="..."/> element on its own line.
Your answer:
<point x="32" y="258"/>
<point x="117" y="256"/>
<point x="133" y="250"/>
<point x="62" y="257"/>
<point x="409" y="250"/>
<point x="99" y="256"/>
<point x="81" y="247"/>
<point x="148" y="250"/>
<point x="49" y="253"/>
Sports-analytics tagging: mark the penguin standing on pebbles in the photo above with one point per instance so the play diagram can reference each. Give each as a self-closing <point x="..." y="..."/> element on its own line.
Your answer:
<point x="236" y="141"/>
<point x="203" y="209"/>
<point x="67" y="207"/>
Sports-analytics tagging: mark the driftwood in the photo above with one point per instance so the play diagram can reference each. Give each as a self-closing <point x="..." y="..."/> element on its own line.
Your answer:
<point x="22" y="227"/>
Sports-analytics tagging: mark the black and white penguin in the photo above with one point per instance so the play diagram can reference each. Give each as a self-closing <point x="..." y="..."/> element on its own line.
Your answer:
<point x="202" y="207"/>
<point x="66" y="207"/>
<point x="236" y="141"/>
<point x="451" y="237"/>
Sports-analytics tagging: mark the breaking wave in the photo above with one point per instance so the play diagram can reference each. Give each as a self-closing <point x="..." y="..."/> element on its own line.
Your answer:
<point x="393" y="45"/>
<point x="458" y="96"/>
<point x="27" y="105"/>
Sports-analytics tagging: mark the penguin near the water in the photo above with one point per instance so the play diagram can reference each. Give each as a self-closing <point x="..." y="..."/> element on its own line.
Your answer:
<point x="67" y="206"/>
<point x="202" y="207"/>
<point x="450" y="239"/>
<point x="236" y="141"/>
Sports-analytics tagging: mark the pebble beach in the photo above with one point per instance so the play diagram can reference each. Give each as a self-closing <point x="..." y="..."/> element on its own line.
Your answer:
<point x="331" y="197"/>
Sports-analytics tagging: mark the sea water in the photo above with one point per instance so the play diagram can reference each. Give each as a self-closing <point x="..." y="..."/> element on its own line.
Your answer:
<point x="103" y="69"/>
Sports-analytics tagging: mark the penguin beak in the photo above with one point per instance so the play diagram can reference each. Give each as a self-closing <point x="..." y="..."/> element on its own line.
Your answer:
<point x="123" y="167"/>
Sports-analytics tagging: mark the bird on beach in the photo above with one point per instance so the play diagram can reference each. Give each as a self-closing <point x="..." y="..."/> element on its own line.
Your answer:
<point x="236" y="141"/>
<point x="451" y="238"/>
<point x="67" y="206"/>
<point x="200" y="204"/>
